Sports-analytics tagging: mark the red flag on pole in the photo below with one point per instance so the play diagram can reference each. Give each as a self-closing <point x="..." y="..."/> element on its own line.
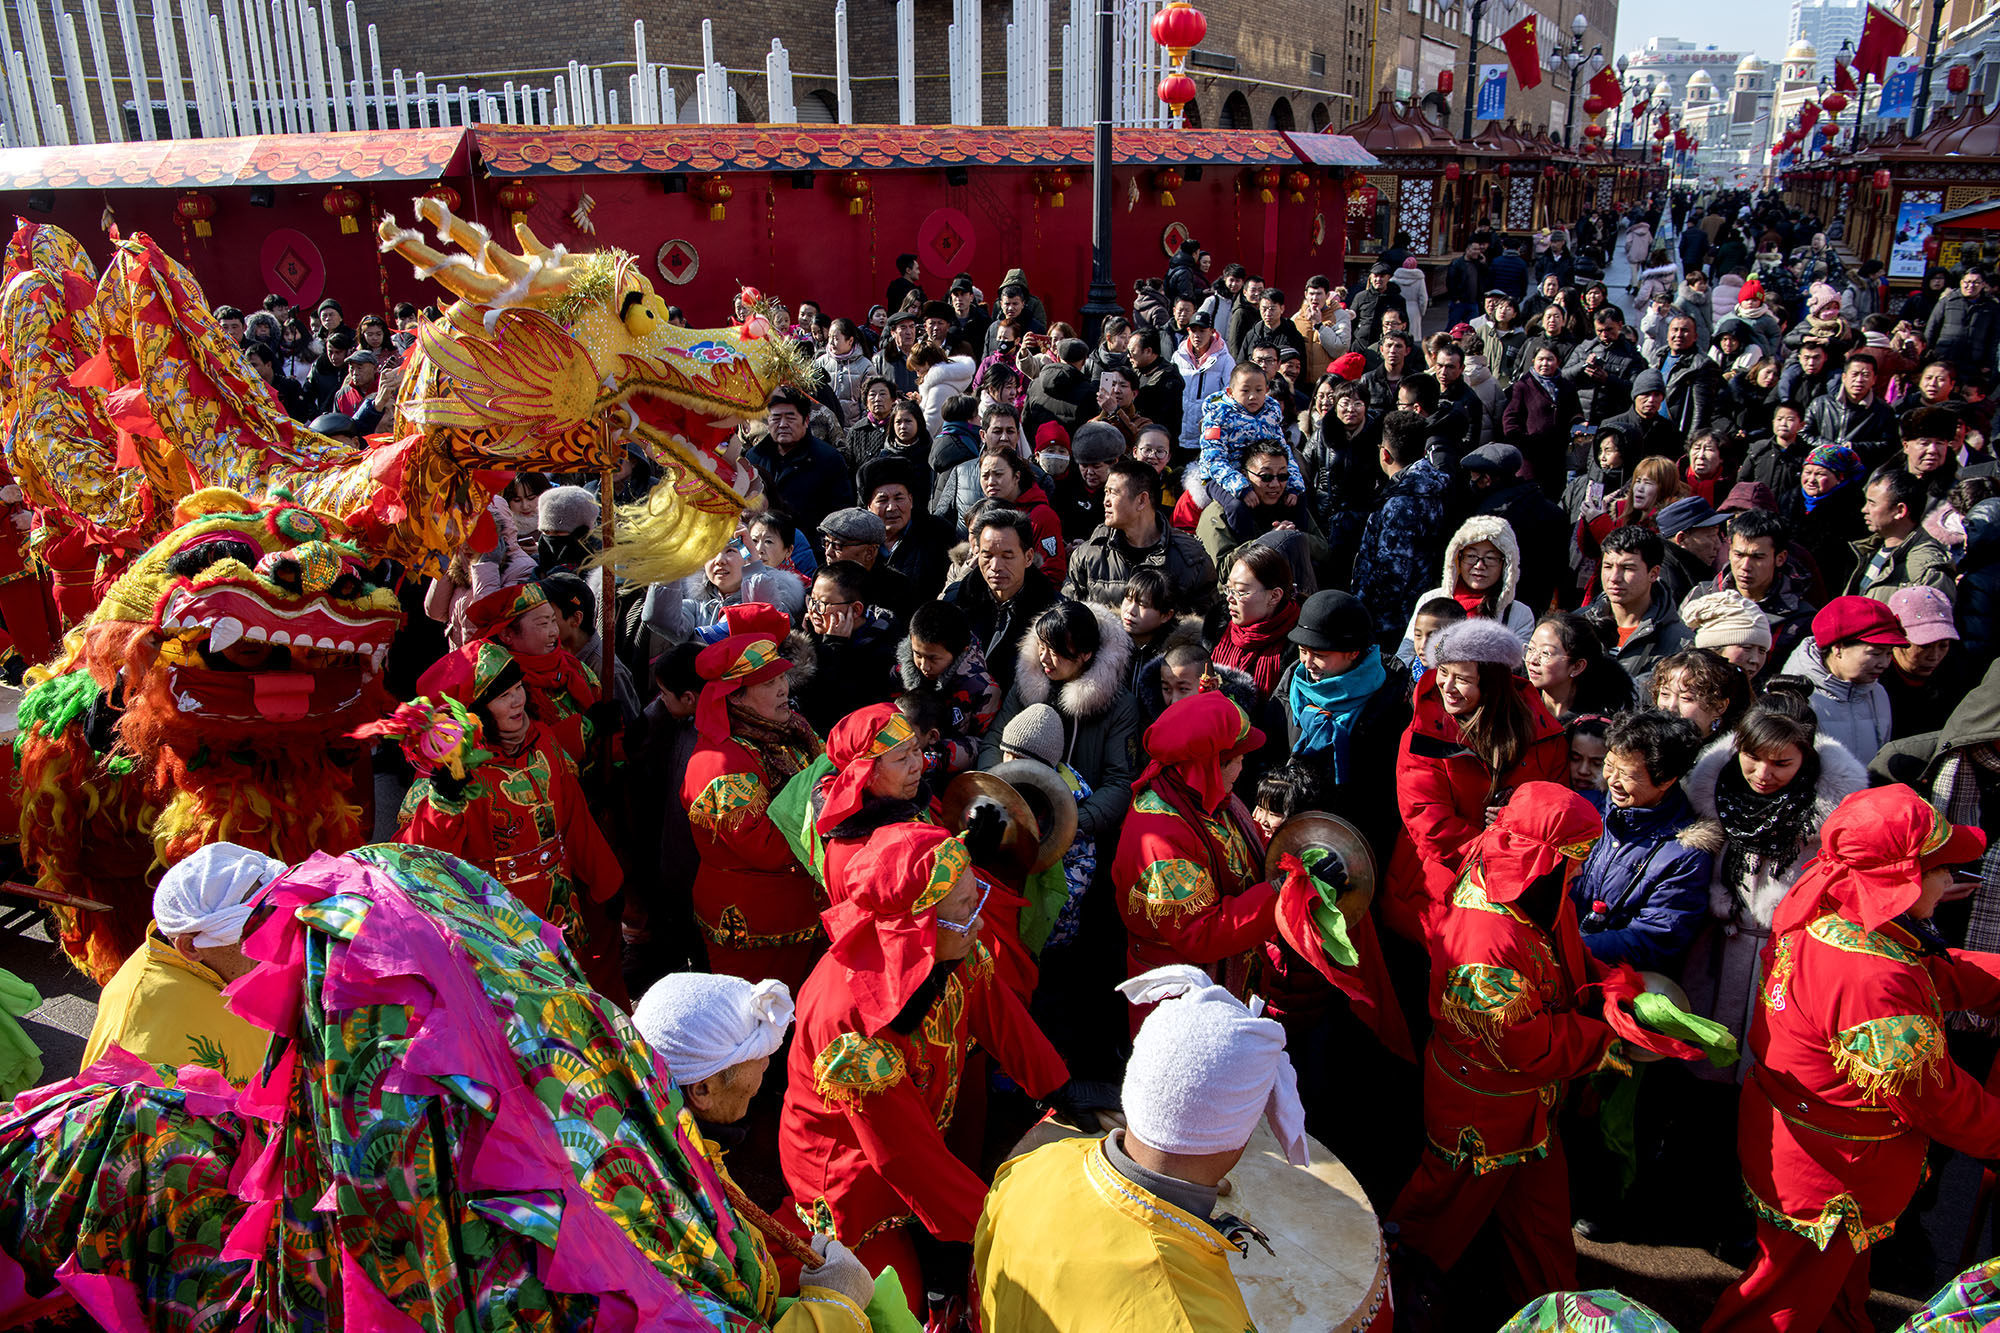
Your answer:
<point x="1523" y="53"/>
<point x="1843" y="78"/>
<point x="1881" y="37"/>
<point x="1605" y="84"/>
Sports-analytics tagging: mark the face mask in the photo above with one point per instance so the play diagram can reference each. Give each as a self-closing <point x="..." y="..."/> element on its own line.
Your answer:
<point x="1053" y="463"/>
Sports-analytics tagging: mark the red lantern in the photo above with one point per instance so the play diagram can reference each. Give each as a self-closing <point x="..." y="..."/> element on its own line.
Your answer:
<point x="1297" y="182"/>
<point x="1589" y="146"/>
<point x="1958" y="78"/>
<point x="855" y="188"/>
<point x="518" y="198"/>
<point x="1176" y="90"/>
<point x="1166" y="180"/>
<point x="1576" y="173"/>
<point x="1059" y="180"/>
<point x="1267" y="181"/>
<point x="344" y="202"/>
<point x="1506" y="170"/>
<point x="1452" y="171"/>
<point x="1882" y="178"/>
<point x="716" y="192"/>
<point x="444" y="194"/>
<point x="197" y="208"/>
<point x="1595" y="105"/>
<point x="1444" y="82"/>
<point x="1849" y="176"/>
<point x="1593" y="131"/>
<point x="1549" y="173"/>
<point x="1179" y="27"/>
<point x="1834" y="102"/>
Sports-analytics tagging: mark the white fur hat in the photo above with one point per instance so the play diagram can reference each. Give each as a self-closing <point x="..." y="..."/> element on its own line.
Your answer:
<point x="1477" y="640"/>
<point x="1727" y="617"/>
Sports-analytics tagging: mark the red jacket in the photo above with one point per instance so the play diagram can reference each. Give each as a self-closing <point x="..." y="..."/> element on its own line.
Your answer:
<point x="524" y="821"/>
<point x="750" y="892"/>
<point x="1853" y="1081"/>
<point x="1507" y="1029"/>
<point x="862" y="1134"/>
<point x="1442" y="791"/>
<point x="1048" y="533"/>
<point x="1180" y="907"/>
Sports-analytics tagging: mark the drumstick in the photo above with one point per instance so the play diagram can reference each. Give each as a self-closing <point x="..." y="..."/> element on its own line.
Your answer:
<point x="773" y="1230"/>
<point x="52" y="897"/>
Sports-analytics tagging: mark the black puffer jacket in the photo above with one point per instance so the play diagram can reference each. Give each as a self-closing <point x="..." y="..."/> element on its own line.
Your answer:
<point x="1978" y="610"/>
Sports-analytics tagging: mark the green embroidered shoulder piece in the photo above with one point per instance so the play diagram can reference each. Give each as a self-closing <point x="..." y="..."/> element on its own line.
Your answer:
<point x="1887" y="1056"/>
<point x="853" y="1065"/>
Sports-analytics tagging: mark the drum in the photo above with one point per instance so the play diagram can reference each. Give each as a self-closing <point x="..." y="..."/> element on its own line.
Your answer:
<point x="1327" y="1270"/>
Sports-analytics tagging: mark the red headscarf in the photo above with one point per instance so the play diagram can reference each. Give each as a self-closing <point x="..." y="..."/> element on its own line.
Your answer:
<point x="885" y="932"/>
<point x="1541" y="825"/>
<point x="1193" y="739"/>
<point x="739" y="660"/>
<point x="468" y="673"/>
<point x="1873" y="852"/>
<point x="856" y="742"/>
<point x="502" y="607"/>
<point x="757" y="618"/>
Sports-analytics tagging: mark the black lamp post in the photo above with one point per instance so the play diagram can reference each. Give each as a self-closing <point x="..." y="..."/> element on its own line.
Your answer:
<point x="1101" y="301"/>
<point x="1575" y="59"/>
<point x="1478" y="13"/>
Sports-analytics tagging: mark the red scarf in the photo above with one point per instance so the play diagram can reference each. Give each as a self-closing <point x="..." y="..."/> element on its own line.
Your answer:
<point x="1260" y="650"/>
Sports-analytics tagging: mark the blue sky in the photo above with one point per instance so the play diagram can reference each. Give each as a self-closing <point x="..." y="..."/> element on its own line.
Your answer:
<point x="1757" y="26"/>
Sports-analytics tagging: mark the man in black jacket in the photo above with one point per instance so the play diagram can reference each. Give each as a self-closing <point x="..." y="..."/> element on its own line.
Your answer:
<point x="1135" y="535"/>
<point x="1465" y="280"/>
<point x="1061" y="393"/>
<point x="1806" y="375"/>
<point x="1965" y="324"/>
<point x="804" y="474"/>
<point x="1776" y="460"/>
<point x="1647" y="432"/>
<point x="1854" y="416"/>
<point x="1601" y="370"/>
<point x="1540" y="526"/>
<point x="1184" y="273"/>
<point x="915" y="544"/>
<point x="1694" y="382"/>
<point x="1272" y="329"/>
<point x="969" y="316"/>
<point x="1368" y="304"/>
<point x="1005" y="590"/>
<point x="1380" y="384"/>
<point x="1160" y="382"/>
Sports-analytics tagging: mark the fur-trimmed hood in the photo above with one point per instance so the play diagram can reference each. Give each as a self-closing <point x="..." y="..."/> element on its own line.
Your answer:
<point x="1840" y="776"/>
<point x="1093" y="692"/>
<point x="1485" y="528"/>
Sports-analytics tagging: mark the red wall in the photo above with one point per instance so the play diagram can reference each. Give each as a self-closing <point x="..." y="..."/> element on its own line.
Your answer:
<point x="795" y="244"/>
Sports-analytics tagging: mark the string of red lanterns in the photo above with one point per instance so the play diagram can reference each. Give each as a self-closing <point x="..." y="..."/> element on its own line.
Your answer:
<point x="1179" y="27"/>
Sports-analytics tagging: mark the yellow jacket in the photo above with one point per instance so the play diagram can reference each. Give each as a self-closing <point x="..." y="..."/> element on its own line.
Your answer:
<point x="168" y="1010"/>
<point x="1068" y="1245"/>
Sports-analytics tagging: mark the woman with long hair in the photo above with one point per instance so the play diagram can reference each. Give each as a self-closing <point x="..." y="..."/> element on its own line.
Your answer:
<point x="372" y="335"/>
<point x="1567" y="667"/>
<point x="1656" y="483"/>
<point x="1478" y="732"/>
<point x="1257" y="591"/>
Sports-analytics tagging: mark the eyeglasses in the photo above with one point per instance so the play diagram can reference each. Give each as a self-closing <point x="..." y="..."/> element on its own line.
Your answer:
<point x="965" y="927"/>
<point x="1543" y="654"/>
<point x="1266" y="478"/>
<point x="1240" y="594"/>
<point x="833" y="543"/>
<point x="1479" y="559"/>
<point x="815" y="604"/>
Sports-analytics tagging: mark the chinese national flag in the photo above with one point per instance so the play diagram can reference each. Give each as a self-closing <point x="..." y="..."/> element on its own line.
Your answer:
<point x="1881" y="37"/>
<point x="1523" y="53"/>
<point x="1843" y="78"/>
<point x="1605" y="84"/>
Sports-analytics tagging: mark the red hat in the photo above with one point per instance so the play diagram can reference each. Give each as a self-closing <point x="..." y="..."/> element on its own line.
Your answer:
<point x="1350" y="366"/>
<point x="1751" y="291"/>
<point x="856" y="742"/>
<point x="502" y="607"/>
<point x="884" y="932"/>
<point x="474" y="672"/>
<point x="1857" y="619"/>
<point x="757" y="618"/>
<point x="739" y="660"/>
<point x="1051" y="434"/>
<point x="1194" y="738"/>
<point x="1541" y="825"/>
<point x="1873" y="852"/>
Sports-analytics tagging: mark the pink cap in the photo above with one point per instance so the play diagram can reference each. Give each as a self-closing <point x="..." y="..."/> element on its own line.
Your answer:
<point x="1925" y="613"/>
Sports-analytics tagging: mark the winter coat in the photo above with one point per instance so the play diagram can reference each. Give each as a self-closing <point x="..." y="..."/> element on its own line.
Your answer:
<point x="941" y="383"/>
<point x="1400" y="544"/>
<point x="1920" y="559"/>
<point x="971" y="696"/>
<point x="1542" y="529"/>
<point x="1161" y="392"/>
<point x="1514" y="615"/>
<point x="999" y="628"/>
<point x="1694" y="392"/>
<point x="1060" y="394"/>
<point x="956" y="491"/>
<point x="1100" y="720"/>
<point x="1368" y="304"/>
<point x="1100" y="565"/>
<point x="1660" y="634"/>
<point x="1651" y="871"/>
<point x="1638" y="245"/>
<point x="1870" y="428"/>
<point x="1964" y="332"/>
<point x="1442" y="791"/>
<point x="1151" y="309"/>
<point x="1415" y="288"/>
<point x="1916" y="760"/>
<point x="1226" y="525"/>
<point x="1763" y="324"/>
<point x="1539" y="426"/>
<point x="1978" y="609"/>
<point x="1200" y="379"/>
<point x="1855" y="715"/>
<point x="1612" y="395"/>
<point x="810" y="482"/>
<point x="844" y="375"/>
<point x="1724" y="973"/>
<point x="1372" y="744"/>
<point x="1184" y="278"/>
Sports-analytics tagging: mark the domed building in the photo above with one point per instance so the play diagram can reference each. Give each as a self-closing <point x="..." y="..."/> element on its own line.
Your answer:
<point x="1801" y="63"/>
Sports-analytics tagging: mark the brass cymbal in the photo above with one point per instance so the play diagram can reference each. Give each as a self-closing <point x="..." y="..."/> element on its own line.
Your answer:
<point x="1053" y="803"/>
<point x="969" y="790"/>
<point x="1317" y="828"/>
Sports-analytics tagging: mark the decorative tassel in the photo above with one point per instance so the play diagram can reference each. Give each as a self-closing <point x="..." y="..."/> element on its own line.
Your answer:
<point x="716" y="212"/>
<point x="106" y="220"/>
<point x="349" y="224"/>
<point x="1167" y="198"/>
<point x="517" y="218"/>
<point x="1265" y="197"/>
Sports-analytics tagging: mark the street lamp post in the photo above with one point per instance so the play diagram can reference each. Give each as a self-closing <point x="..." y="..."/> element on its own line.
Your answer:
<point x="1930" y="67"/>
<point x="1477" y="13"/>
<point x="1101" y="301"/>
<point x="1574" y="58"/>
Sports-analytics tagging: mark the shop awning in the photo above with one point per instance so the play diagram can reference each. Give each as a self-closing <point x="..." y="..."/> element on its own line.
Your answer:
<point x="267" y="159"/>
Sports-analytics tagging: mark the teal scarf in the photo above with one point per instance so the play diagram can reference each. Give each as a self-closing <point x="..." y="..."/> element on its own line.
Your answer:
<point x="1325" y="709"/>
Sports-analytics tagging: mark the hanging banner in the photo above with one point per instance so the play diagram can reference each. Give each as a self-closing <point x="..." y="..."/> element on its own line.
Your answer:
<point x="1492" y="103"/>
<point x="1913" y="229"/>
<point x="1899" y="88"/>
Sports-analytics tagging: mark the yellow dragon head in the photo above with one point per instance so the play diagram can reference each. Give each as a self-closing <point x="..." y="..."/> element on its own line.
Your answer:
<point x="556" y="361"/>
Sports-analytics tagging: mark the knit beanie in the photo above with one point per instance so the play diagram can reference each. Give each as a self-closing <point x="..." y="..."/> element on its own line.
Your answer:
<point x="1349" y="366"/>
<point x="1206" y="1067"/>
<point x="1819" y="296"/>
<point x="1035" y="732"/>
<point x="565" y="509"/>
<point x="1720" y="619"/>
<point x="1753" y="292"/>
<point x="1477" y="640"/>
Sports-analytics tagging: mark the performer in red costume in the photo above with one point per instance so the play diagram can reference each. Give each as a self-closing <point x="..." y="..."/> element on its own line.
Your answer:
<point x="1507" y="967"/>
<point x="520" y="619"/>
<point x="877" y="780"/>
<point x="884" y="1027"/>
<point x="1189" y="868"/>
<point x="758" y="906"/>
<point x="1852" y="1079"/>
<point x="519" y="812"/>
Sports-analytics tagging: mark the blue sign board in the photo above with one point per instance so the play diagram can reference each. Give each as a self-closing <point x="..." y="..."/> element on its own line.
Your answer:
<point x="1492" y="102"/>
